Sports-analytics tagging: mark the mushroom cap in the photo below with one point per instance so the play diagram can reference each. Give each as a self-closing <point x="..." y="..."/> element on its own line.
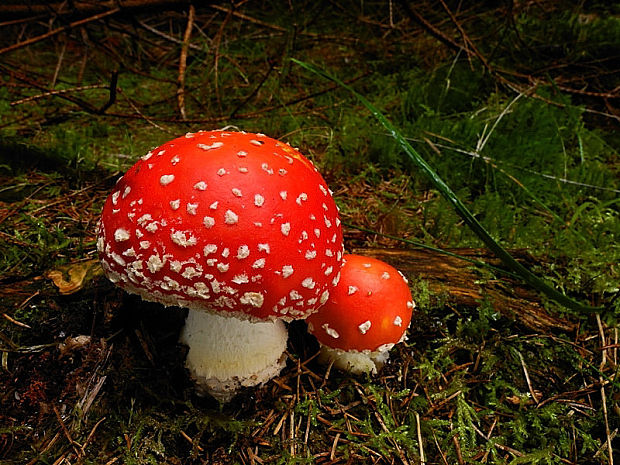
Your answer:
<point x="229" y="222"/>
<point x="368" y="311"/>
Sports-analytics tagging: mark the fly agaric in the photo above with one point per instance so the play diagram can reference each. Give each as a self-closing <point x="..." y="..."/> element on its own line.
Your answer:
<point x="366" y="314"/>
<point x="239" y="228"/>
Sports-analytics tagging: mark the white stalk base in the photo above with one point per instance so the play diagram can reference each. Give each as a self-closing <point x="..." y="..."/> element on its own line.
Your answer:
<point x="354" y="362"/>
<point x="226" y="353"/>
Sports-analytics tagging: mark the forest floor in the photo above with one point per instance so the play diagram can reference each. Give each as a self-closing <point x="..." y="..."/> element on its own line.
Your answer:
<point x="516" y="107"/>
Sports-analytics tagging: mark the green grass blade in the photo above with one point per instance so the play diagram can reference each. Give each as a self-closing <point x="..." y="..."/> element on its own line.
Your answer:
<point x="525" y="274"/>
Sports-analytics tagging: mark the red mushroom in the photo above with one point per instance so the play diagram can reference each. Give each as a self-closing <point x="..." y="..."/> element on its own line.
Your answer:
<point x="366" y="314"/>
<point x="239" y="228"/>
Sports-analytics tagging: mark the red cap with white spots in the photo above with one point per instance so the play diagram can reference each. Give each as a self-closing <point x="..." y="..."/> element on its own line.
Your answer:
<point x="227" y="222"/>
<point x="369" y="310"/>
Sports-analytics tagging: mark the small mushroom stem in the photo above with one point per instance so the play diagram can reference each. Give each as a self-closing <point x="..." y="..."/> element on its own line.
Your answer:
<point x="353" y="361"/>
<point x="227" y="353"/>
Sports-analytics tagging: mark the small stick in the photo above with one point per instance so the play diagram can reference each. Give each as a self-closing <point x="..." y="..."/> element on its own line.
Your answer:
<point x="191" y="441"/>
<point x="84" y="61"/>
<point x="166" y="36"/>
<point x="89" y="397"/>
<point x="614" y="346"/>
<point x="457" y="446"/>
<point x="217" y="40"/>
<point x="275" y="27"/>
<point x="469" y="45"/>
<point x="57" y="92"/>
<point x="90" y="435"/>
<point x="60" y="459"/>
<point x="145" y="346"/>
<point x="25" y="302"/>
<point x="327" y="372"/>
<point x="49" y="445"/>
<point x="445" y="401"/>
<point x="279" y="425"/>
<point x="57" y="31"/>
<point x="59" y="64"/>
<point x="307" y="432"/>
<point x="527" y="379"/>
<point x="112" y="87"/>
<point x="508" y="449"/>
<point x="73" y="443"/>
<point x="430" y="28"/>
<point x="253" y="455"/>
<point x="443" y="456"/>
<point x="332" y="452"/>
<point x="291" y="432"/>
<point x="420" y="443"/>
<point x="26" y="78"/>
<point x="144" y="117"/>
<point x="603" y="394"/>
<point x="13" y="22"/>
<point x="253" y="93"/>
<point x="488" y="438"/>
<point x="183" y="62"/>
<point x="15" y="322"/>
<point x="401" y="454"/>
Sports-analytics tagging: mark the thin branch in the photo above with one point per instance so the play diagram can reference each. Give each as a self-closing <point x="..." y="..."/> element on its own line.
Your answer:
<point x="432" y="30"/>
<point x="57" y="92"/>
<point x="43" y="8"/>
<point x="470" y="47"/>
<point x="141" y="115"/>
<point x="249" y="115"/>
<point x="253" y="93"/>
<point x="76" y="445"/>
<point x="275" y="27"/>
<point x="216" y="55"/>
<point x="420" y="439"/>
<point x="25" y="78"/>
<point x="112" y="88"/>
<point x="61" y="57"/>
<point x="533" y="393"/>
<point x="13" y="22"/>
<point x="603" y="394"/>
<point x="57" y="31"/>
<point x="183" y="62"/>
<point x="170" y="38"/>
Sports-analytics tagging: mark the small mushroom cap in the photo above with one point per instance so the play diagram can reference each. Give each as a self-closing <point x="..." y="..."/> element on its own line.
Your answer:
<point x="369" y="310"/>
<point x="224" y="221"/>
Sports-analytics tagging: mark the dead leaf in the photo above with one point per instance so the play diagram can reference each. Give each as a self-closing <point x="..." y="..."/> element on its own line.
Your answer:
<point x="70" y="278"/>
<point x="72" y="344"/>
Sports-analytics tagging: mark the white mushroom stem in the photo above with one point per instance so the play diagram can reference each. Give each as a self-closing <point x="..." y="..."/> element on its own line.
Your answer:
<point x="354" y="361"/>
<point x="226" y="353"/>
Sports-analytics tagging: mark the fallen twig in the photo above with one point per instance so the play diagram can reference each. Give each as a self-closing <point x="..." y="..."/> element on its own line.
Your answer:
<point x="15" y="322"/>
<point x="57" y="92"/>
<point x="64" y="8"/>
<point x="183" y="62"/>
<point x="74" y="444"/>
<point x="112" y="89"/>
<point x="170" y="38"/>
<point x="603" y="394"/>
<point x="57" y="31"/>
<point x="420" y="440"/>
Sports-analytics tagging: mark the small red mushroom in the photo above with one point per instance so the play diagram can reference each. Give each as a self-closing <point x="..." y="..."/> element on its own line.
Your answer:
<point x="366" y="314"/>
<point x="237" y="227"/>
